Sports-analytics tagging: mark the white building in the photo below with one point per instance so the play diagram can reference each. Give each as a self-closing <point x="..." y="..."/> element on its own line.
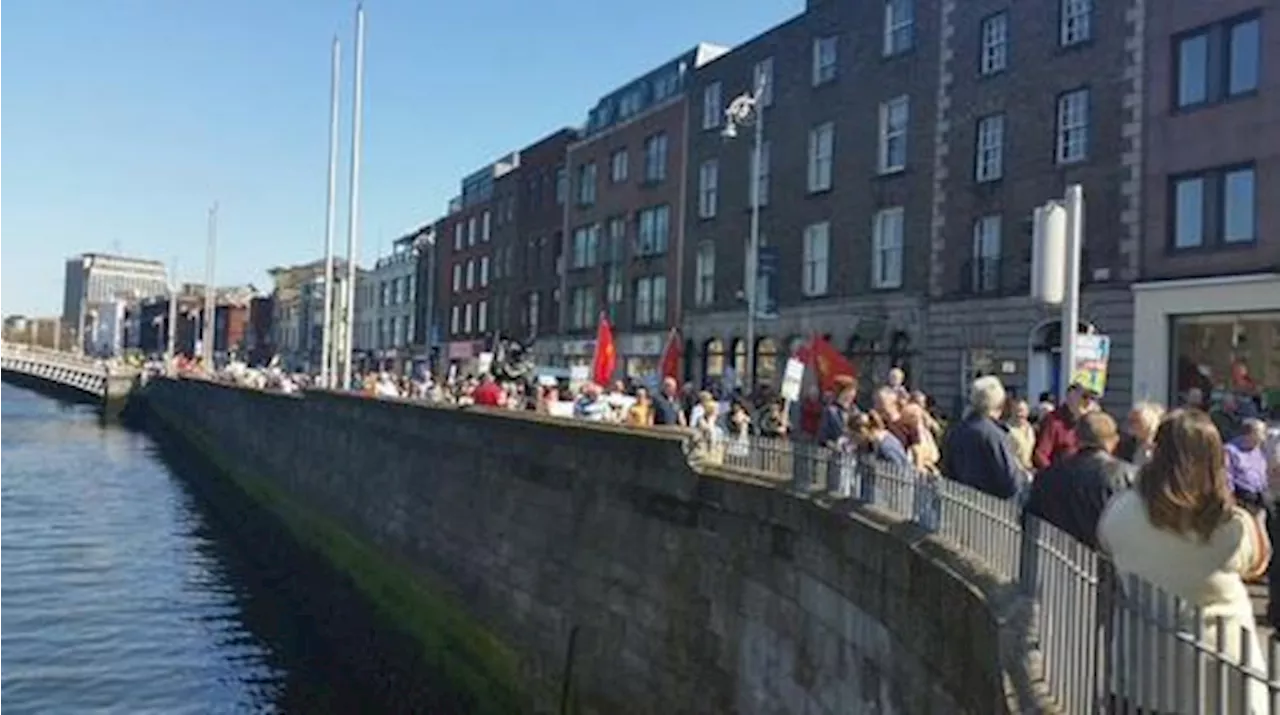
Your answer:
<point x="386" y="300"/>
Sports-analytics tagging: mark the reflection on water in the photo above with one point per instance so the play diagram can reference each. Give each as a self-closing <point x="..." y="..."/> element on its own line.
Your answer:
<point x="121" y="594"/>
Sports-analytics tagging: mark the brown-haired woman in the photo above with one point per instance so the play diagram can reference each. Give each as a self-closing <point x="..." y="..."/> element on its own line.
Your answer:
<point x="1181" y="530"/>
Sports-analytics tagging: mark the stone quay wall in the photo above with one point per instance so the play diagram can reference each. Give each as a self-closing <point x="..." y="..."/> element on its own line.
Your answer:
<point x="529" y="552"/>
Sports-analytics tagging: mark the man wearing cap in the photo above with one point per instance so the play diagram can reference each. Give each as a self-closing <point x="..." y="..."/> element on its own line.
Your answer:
<point x="1057" y="437"/>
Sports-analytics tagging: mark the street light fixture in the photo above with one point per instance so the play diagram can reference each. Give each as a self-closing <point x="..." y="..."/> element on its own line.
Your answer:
<point x="746" y="110"/>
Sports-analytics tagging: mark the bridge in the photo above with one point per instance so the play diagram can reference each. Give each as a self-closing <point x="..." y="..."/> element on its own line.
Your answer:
<point x="67" y="374"/>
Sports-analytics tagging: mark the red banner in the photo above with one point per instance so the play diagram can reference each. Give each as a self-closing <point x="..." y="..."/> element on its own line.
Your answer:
<point x="827" y="362"/>
<point x="605" y="360"/>
<point x="671" y="355"/>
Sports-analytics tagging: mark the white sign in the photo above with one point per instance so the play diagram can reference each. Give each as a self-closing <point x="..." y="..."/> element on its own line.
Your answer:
<point x="485" y="363"/>
<point x="792" y="377"/>
<point x="579" y="375"/>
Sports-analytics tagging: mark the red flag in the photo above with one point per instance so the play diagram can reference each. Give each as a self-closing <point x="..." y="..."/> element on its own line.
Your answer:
<point x="669" y="366"/>
<point x="605" y="360"/>
<point x="827" y="362"/>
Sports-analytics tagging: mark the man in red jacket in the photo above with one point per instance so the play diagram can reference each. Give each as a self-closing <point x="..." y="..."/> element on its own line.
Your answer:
<point x="1057" y="438"/>
<point x="489" y="394"/>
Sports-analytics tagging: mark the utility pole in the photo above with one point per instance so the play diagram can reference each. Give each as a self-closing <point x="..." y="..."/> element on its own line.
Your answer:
<point x="210" y="310"/>
<point x="353" y="209"/>
<point x="328" y="363"/>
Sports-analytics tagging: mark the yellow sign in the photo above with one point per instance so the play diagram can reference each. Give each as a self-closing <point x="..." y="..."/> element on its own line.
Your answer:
<point x="1090" y="369"/>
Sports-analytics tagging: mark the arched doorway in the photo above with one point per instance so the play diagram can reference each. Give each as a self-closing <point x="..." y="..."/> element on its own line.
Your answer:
<point x="766" y="361"/>
<point x="1044" y="357"/>
<point x="713" y="358"/>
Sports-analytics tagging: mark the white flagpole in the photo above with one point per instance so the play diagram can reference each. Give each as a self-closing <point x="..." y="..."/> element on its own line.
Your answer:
<point x="353" y="210"/>
<point x="330" y="219"/>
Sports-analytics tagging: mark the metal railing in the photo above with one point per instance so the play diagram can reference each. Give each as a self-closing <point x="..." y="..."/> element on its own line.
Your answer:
<point x="1106" y="644"/>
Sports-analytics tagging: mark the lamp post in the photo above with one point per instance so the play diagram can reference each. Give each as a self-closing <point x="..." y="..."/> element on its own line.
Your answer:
<point x="427" y="243"/>
<point x="746" y="110"/>
<point x="1057" y="244"/>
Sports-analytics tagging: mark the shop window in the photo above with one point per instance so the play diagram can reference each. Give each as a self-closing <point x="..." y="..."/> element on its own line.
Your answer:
<point x="1228" y="354"/>
<point x="740" y="360"/>
<point x="766" y="361"/>
<point x="713" y="353"/>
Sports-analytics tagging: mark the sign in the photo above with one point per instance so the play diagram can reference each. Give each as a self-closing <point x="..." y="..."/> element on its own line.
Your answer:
<point x="791" y="380"/>
<point x="485" y="363"/>
<point x="767" y="260"/>
<point x="1090" y="370"/>
<point x="579" y="375"/>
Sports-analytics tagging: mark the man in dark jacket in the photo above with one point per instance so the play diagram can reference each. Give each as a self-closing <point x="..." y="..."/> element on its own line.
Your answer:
<point x="977" y="451"/>
<point x="1073" y="492"/>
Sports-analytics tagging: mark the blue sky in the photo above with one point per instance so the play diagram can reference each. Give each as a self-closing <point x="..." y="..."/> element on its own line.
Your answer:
<point x="126" y="119"/>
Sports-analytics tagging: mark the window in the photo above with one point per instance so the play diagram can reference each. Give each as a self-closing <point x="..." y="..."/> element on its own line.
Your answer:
<point x="824" y="60"/>
<point x="995" y="44"/>
<point x="1216" y="63"/>
<point x="985" y="269"/>
<point x="1074" y="22"/>
<point x="655" y="157"/>
<point x="704" y="290"/>
<point x="989" y="153"/>
<point x="457" y="236"/>
<point x="1225" y="347"/>
<point x="471" y="274"/>
<point x="484" y="227"/>
<point x="1242" y="57"/>
<point x="1212" y="207"/>
<point x="1073" y="126"/>
<point x="614" y="253"/>
<point x="484" y="271"/>
<point x="651" y="300"/>
<point x="466" y="317"/>
<point x="471" y="231"/>
<point x="654" y="230"/>
<point x="482" y="316"/>
<point x="618" y="166"/>
<point x="562" y="185"/>
<point x="532" y="319"/>
<point x="893" y="134"/>
<point x="708" y="185"/>
<point x="586" y="246"/>
<point x="587" y="184"/>
<point x="711" y="106"/>
<point x="1193" y="70"/>
<point x="886" y="248"/>
<point x="582" y="308"/>
<point x="762" y="178"/>
<point x="613" y="286"/>
<point x="899" y="26"/>
<point x="821" y="149"/>
<point x="762" y="79"/>
<point x="816" y="242"/>
<point x="455" y="318"/>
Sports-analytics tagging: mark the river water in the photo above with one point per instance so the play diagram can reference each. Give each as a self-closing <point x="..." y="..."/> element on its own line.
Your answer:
<point x="121" y="593"/>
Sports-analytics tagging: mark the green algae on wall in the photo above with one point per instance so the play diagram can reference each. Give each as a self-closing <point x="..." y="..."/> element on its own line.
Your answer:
<point x="470" y="658"/>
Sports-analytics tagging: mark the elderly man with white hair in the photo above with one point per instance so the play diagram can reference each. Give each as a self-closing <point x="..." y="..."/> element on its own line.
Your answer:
<point x="978" y="451"/>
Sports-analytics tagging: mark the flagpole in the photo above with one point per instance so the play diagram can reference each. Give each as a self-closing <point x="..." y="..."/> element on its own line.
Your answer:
<point x="327" y="362"/>
<point x="353" y="209"/>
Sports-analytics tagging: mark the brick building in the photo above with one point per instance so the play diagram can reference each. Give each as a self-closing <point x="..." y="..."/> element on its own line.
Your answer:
<point x="624" y="219"/>
<point x="845" y="183"/>
<point x="1207" y="309"/>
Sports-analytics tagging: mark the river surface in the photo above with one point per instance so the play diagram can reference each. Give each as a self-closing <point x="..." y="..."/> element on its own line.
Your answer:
<point x="122" y="594"/>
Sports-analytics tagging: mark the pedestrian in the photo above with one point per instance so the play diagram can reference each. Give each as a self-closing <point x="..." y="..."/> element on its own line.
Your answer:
<point x="977" y="451"/>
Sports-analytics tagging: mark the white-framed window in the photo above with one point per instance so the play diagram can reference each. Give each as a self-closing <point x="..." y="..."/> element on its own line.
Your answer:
<point x="762" y="76"/>
<point x="985" y="269"/>
<point x="455" y="319"/>
<point x="1073" y="126"/>
<point x="582" y="307"/>
<point x="817" y="242"/>
<point x="1075" y="22"/>
<point x="457" y="236"/>
<point x="763" y="176"/>
<point x="989" y="152"/>
<point x="586" y="246"/>
<point x="482" y="316"/>
<point x="467" y="315"/>
<point x="587" y="184"/>
<point x="886" y="248"/>
<point x="824" y="59"/>
<point x="655" y="157"/>
<point x="618" y="166"/>
<point x="484" y="227"/>
<point x="651" y="300"/>
<point x="484" y="271"/>
<point x="654" y="230"/>
<point x="457" y="277"/>
<point x="899" y="26"/>
<point x="994" y="52"/>
<point x="471" y="231"/>
<point x="704" y="290"/>
<point x="894" y="116"/>
<point x="471" y="273"/>
<point x="822" y="139"/>
<point x="708" y="188"/>
<point x="711" y="109"/>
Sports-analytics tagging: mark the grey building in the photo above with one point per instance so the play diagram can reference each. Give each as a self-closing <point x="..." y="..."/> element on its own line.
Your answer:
<point x="94" y="279"/>
<point x="846" y="190"/>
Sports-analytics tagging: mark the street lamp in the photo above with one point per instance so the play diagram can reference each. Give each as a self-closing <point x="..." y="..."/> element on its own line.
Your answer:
<point x="746" y="110"/>
<point x="426" y="242"/>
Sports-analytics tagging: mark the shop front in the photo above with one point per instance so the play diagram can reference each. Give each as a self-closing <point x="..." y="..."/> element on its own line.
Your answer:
<point x="1219" y="336"/>
<point x="641" y="355"/>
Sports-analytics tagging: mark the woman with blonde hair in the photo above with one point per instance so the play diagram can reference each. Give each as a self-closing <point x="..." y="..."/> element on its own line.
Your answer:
<point x="1180" y="530"/>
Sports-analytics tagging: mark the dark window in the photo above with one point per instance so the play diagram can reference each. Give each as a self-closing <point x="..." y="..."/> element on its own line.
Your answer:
<point x="1216" y="62"/>
<point x="1213" y="208"/>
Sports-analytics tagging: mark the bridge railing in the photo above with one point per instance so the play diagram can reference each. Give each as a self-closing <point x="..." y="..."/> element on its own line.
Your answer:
<point x="1104" y="646"/>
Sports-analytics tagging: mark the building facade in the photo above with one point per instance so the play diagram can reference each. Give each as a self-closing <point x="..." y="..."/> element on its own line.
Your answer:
<point x="1032" y="97"/>
<point x="298" y="312"/>
<point x="386" y="314"/>
<point x="848" y="106"/>
<point x="97" y="279"/>
<point x="1207" y="308"/>
<point x="624" y="219"/>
